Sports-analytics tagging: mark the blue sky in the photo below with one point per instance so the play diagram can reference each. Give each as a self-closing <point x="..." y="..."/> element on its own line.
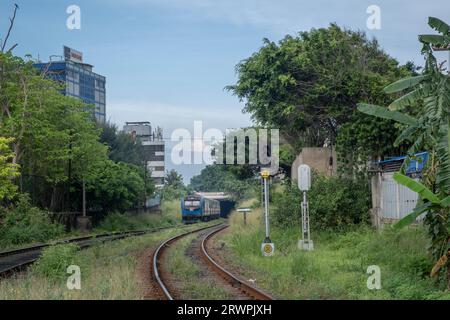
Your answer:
<point x="167" y="61"/>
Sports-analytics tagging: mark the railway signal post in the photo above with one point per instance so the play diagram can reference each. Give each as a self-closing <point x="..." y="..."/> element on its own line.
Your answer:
<point x="304" y="184"/>
<point x="267" y="246"/>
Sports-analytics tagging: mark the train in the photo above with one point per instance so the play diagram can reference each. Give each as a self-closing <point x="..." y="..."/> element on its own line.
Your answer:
<point x="201" y="207"/>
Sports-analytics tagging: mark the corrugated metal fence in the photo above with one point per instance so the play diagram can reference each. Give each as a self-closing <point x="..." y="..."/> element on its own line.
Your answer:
<point x="397" y="201"/>
<point x="391" y="201"/>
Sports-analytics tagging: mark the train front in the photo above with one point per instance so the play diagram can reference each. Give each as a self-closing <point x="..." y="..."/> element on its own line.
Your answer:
<point x="191" y="209"/>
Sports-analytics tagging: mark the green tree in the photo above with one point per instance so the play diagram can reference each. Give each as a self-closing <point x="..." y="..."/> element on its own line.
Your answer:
<point x="217" y="178"/>
<point x="309" y="85"/>
<point x="116" y="187"/>
<point x="122" y="146"/>
<point x="55" y="137"/>
<point x="173" y="179"/>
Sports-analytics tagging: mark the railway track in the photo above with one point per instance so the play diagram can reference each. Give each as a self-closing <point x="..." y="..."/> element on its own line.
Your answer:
<point x="16" y="260"/>
<point x="249" y="291"/>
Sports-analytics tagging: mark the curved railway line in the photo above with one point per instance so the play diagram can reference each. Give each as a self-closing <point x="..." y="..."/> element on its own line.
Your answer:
<point x="249" y="291"/>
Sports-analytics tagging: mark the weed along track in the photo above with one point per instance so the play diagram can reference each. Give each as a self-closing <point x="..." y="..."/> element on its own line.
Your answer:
<point x="209" y="277"/>
<point x="16" y="260"/>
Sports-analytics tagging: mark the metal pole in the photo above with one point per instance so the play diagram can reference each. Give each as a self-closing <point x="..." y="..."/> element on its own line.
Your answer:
<point x="307" y="218"/>
<point x="304" y="217"/>
<point x="266" y="208"/>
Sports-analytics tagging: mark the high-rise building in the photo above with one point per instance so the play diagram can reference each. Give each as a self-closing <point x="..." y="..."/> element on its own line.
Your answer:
<point x="154" y="148"/>
<point x="81" y="82"/>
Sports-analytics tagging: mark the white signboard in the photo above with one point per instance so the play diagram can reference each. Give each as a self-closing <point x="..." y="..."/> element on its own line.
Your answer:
<point x="304" y="177"/>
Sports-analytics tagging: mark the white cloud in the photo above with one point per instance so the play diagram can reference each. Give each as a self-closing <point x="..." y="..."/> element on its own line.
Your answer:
<point x="282" y="16"/>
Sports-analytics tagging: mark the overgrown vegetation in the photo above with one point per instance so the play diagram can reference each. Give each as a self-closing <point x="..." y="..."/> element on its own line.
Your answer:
<point x="337" y="268"/>
<point x="308" y="86"/>
<point x="52" y="149"/>
<point x="109" y="271"/>
<point x="22" y="223"/>
<point x="422" y="108"/>
<point x="222" y="178"/>
<point x="55" y="260"/>
<point x="8" y="170"/>
<point x="338" y="203"/>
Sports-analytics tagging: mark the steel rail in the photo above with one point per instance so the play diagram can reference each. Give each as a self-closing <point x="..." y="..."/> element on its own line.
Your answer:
<point x="38" y="248"/>
<point x="160" y="250"/>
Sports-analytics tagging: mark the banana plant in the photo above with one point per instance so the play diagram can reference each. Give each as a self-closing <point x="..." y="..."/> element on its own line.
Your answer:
<point x="422" y="108"/>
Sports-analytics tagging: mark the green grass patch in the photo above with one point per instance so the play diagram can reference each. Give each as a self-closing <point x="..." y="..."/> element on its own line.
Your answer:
<point x="55" y="259"/>
<point x="108" y="271"/>
<point x="337" y="268"/>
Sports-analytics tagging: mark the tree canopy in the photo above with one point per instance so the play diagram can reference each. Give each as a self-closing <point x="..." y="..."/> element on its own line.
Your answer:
<point x="308" y="86"/>
<point x="58" y="145"/>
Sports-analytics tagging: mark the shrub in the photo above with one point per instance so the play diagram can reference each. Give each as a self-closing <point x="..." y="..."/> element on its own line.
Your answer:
<point x="55" y="260"/>
<point x="126" y="222"/>
<point x="23" y="223"/>
<point x="334" y="203"/>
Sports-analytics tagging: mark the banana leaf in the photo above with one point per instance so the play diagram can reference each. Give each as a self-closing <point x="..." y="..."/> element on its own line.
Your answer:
<point x="404" y="83"/>
<point x="382" y="112"/>
<point x="417" y="187"/>
<point x="435" y="39"/>
<point x="445" y="202"/>
<point x="439" y="25"/>
<point x="443" y="154"/>
<point x="410" y="218"/>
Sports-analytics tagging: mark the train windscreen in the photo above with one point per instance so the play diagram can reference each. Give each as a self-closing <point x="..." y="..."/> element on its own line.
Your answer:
<point x="191" y="204"/>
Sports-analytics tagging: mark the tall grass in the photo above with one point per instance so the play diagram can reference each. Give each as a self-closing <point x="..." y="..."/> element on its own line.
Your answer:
<point x="108" y="271"/>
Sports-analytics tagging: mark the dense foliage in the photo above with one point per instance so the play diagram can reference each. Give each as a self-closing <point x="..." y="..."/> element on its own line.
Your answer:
<point x="8" y="170"/>
<point x="122" y="147"/>
<point x="58" y="145"/>
<point x="336" y="203"/>
<point x="23" y="223"/>
<point x="309" y="85"/>
<point x="219" y="178"/>
<point x="423" y="108"/>
<point x="173" y="179"/>
<point x="55" y="259"/>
